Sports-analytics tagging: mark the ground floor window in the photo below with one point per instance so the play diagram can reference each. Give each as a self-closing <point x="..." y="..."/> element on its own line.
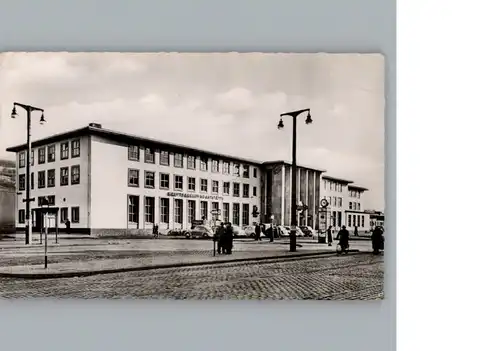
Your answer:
<point x="191" y="211"/>
<point x="178" y="211"/>
<point x="236" y="214"/>
<point x="225" y="212"/>
<point x="75" y="214"/>
<point x="363" y="221"/>
<point x="204" y="209"/>
<point x="349" y="221"/>
<point x="246" y="214"/>
<point x="22" y="217"/>
<point x="149" y="209"/>
<point x="215" y="207"/>
<point x="164" y="210"/>
<point x="64" y="214"/>
<point x="133" y="209"/>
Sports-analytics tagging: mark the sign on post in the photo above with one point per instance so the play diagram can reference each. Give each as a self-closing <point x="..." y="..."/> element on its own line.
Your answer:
<point x="323" y="220"/>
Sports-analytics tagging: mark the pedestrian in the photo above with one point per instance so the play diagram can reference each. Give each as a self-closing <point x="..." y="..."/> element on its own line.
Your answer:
<point x="343" y="238"/>
<point x="355" y="230"/>
<point x="68" y="226"/>
<point x="377" y="240"/>
<point x="257" y="232"/>
<point x="329" y="236"/>
<point x="219" y="234"/>
<point x="228" y="239"/>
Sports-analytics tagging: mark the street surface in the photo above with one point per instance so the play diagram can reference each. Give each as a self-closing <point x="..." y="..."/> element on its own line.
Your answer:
<point x="351" y="277"/>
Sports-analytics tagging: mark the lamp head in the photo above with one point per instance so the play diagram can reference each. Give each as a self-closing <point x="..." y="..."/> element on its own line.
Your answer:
<point x="42" y="120"/>
<point x="309" y="119"/>
<point x="280" y="124"/>
<point x="14" y="112"/>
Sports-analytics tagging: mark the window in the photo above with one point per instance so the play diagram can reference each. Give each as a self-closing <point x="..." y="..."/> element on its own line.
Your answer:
<point x="340" y="201"/>
<point x="325" y="183"/>
<point x="349" y="221"/>
<point x="225" y="167"/>
<point x="191" y="211"/>
<point x="32" y="180"/>
<point x="52" y="153"/>
<point x="178" y="160"/>
<point x="164" y="181"/>
<point x="350" y="205"/>
<point x="75" y="214"/>
<point x="254" y="191"/>
<point x="52" y="200"/>
<point x="149" y="155"/>
<point x="164" y="210"/>
<point x="237" y="169"/>
<point x="133" y="153"/>
<point x="22" y="217"/>
<point x="191" y="162"/>
<point x="359" y="206"/>
<point x="236" y="214"/>
<point x="246" y="171"/>
<point x="149" y="179"/>
<point x="179" y="180"/>
<point x="51" y="178"/>
<point x="359" y="195"/>
<point x="149" y="209"/>
<point x="226" y="188"/>
<point x="64" y="214"/>
<point x="164" y="158"/>
<point x="22" y="182"/>
<point x="246" y="214"/>
<point x="255" y="172"/>
<point x="32" y="158"/>
<point x="203" y="164"/>
<point x="64" y="150"/>
<point x="75" y="174"/>
<point x="41" y="201"/>
<point x="215" y="186"/>
<point x="41" y="179"/>
<point x="363" y="221"/>
<point x="236" y="189"/>
<point x="64" y="176"/>
<point x="178" y="211"/>
<point x="246" y="190"/>
<point x="133" y="209"/>
<point x="215" y="206"/>
<point x="334" y="202"/>
<point x="41" y="155"/>
<point x="133" y="177"/>
<point x="204" y="185"/>
<point x="191" y="184"/>
<point x="75" y="148"/>
<point x="22" y="159"/>
<point x="204" y="209"/>
<point x="215" y="166"/>
<point x="225" y="212"/>
<point x="331" y="185"/>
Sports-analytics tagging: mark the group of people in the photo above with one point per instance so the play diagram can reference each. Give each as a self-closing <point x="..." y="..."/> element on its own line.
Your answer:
<point x="377" y="239"/>
<point x="271" y="232"/>
<point x="224" y="238"/>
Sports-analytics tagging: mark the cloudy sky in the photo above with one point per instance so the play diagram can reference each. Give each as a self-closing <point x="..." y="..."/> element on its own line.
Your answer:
<point x="228" y="103"/>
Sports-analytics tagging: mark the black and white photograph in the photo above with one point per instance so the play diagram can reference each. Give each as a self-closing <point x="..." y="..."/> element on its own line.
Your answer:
<point x="192" y="176"/>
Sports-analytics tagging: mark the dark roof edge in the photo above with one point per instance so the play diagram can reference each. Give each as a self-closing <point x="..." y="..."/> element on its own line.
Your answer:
<point x="357" y="187"/>
<point x="290" y="163"/>
<point x="337" y="179"/>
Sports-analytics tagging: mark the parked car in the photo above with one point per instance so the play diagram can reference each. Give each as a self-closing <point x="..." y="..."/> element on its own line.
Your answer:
<point x="307" y="230"/>
<point x="250" y="231"/>
<point x="282" y="231"/>
<point x="298" y="231"/>
<point x="238" y="232"/>
<point x="200" y="231"/>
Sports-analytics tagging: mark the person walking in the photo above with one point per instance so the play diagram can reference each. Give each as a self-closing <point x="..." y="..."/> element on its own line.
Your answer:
<point x="329" y="236"/>
<point x="377" y="239"/>
<point x="68" y="226"/>
<point x="257" y="232"/>
<point x="219" y="234"/>
<point x="343" y="238"/>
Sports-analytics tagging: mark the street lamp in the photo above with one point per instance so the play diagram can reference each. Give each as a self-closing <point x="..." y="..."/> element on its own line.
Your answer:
<point x="294" y="115"/>
<point x="14" y="114"/>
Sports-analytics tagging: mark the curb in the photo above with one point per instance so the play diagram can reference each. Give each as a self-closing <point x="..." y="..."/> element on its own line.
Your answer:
<point x="75" y="274"/>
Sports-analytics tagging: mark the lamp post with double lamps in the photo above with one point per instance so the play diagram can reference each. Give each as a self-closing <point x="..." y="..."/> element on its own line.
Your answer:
<point x="28" y="110"/>
<point x="294" y="115"/>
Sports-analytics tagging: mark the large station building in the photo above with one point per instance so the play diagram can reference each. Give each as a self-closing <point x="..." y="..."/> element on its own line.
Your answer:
<point x="111" y="183"/>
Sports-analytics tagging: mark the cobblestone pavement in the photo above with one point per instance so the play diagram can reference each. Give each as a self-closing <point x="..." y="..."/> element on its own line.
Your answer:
<point x="356" y="277"/>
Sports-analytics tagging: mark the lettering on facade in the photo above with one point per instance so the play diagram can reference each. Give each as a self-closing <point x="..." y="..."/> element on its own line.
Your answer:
<point x="195" y="196"/>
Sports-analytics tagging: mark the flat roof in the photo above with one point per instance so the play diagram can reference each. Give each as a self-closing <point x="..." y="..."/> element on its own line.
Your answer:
<point x="337" y="179"/>
<point x="288" y="163"/>
<point x="357" y="187"/>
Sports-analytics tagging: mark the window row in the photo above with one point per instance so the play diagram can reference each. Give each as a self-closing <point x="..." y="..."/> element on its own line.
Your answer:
<point x="333" y="186"/>
<point x="355" y="194"/>
<point x="334" y="201"/>
<point x="216" y="166"/>
<point x="355" y="221"/>
<point x="75" y="215"/>
<point x="149" y="211"/>
<point x="48" y="153"/>
<point x="164" y="180"/>
<point x="47" y="179"/>
<point x="356" y="206"/>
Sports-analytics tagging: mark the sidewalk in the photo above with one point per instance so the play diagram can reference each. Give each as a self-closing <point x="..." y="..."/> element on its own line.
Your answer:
<point x="132" y="255"/>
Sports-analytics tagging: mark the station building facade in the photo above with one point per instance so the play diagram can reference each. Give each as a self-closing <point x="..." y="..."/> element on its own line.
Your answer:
<point x="112" y="183"/>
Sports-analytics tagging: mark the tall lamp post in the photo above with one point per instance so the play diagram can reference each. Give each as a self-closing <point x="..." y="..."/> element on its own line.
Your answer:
<point x="28" y="110"/>
<point x="294" y="115"/>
